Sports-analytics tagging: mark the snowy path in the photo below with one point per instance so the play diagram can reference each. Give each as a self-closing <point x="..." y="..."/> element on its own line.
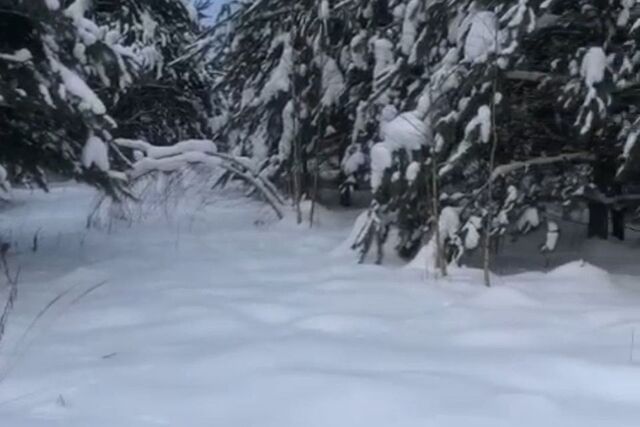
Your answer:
<point x="225" y="323"/>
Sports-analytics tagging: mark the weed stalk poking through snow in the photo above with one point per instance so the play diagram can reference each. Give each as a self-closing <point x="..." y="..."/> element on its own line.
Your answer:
<point x="12" y="281"/>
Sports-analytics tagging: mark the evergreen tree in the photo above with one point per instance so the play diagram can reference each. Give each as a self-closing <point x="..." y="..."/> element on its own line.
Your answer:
<point x="50" y="118"/>
<point x="75" y="74"/>
<point x="466" y="118"/>
<point x="166" y="98"/>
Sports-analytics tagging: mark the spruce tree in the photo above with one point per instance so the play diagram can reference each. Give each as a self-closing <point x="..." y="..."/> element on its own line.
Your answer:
<point x="51" y="119"/>
<point x="465" y="118"/>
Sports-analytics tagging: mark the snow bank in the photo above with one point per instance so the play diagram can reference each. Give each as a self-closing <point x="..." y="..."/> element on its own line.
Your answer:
<point x="212" y="320"/>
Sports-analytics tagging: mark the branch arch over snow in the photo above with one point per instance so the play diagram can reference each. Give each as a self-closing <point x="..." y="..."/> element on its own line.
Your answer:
<point x="198" y="151"/>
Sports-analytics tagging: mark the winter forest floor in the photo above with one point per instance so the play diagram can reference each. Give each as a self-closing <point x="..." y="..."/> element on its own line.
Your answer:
<point x="222" y="319"/>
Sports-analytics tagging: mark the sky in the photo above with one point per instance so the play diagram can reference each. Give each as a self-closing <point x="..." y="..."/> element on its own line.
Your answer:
<point x="215" y="7"/>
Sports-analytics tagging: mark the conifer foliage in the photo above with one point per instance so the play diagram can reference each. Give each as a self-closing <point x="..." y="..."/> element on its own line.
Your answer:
<point x="469" y="120"/>
<point x="74" y="74"/>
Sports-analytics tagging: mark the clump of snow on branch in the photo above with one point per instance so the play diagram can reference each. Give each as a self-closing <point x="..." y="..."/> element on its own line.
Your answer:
<point x="529" y="220"/>
<point x="594" y="65"/>
<point x="406" y="131"/>
<point x="22" y="55"/>
<point x="288" y="131"/>
<point x="353" y="160"/>
<point x="482" y="38"/>
<point x="279" y="80"/>
<point x="409" y="27"/>
<point x="76" y="86"/>
<point x="52" y="4"/>
<point x="332" y="82"/>
<point x="481" y="121"/>
<point x="95" y="153"/>
<point x="380" y="160"/>
<point x="194" y="153"/>
<point x="553" y="236"/>
<point x="471" y="233"/>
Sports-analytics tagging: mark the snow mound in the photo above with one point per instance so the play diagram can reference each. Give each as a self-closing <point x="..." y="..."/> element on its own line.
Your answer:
<point x="199" y="318"/>
<point x="580" y="274"/>
<point x="499" y="296"/>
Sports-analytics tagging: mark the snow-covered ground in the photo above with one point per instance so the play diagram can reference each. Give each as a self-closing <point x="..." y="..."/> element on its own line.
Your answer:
<point x="223" y="319"/>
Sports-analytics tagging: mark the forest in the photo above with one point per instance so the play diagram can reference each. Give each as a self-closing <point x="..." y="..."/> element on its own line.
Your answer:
<point x="476" y="151"/>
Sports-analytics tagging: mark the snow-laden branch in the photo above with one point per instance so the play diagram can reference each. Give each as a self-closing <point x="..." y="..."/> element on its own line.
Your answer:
<point x="539" y="161"/>
<point x="203" y="146"/>
<point x="175" y="157"/>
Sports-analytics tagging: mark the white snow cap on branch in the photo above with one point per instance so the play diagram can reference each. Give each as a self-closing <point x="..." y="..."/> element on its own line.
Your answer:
<point x="95" y="152"/>
<point x="22" y="55"/>
<point x="409" y="27"/>
<point x="204" y="146"/>
<point x="288" y="131"/>
<point x="380" y="160"/>
<point x="75" y="10"/>
<point x="471" y="231"/>
<point x="76" y="86"/>
<point x="406" y="131"/>
<point x="52" y="4"/>
<point x="332" y="82"/>
<point x="172" y="163"/>
<point x="279" y="80"/>
<point x="594" y="65"/>
<point x="483" y="121"/>
<point x="553" y="235"/>
<point x="412" y="171"/>
<point x="324" y="10"/>
<point x="482" y="37"/>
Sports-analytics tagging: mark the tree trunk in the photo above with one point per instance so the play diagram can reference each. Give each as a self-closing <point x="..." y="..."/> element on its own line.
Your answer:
<point x="604" y="179"/>
<point x="617" y="223"/>
<point x="598" y="221"/>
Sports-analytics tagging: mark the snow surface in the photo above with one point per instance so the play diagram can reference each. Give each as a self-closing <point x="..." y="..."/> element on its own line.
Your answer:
<point x="220" y="317"/>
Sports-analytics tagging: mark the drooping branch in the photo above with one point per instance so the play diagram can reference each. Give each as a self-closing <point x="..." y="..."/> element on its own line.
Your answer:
<point x="173" y="158"/>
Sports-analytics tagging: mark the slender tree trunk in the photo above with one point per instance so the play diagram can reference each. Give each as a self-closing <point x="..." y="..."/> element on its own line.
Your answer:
<point x="441" y="262"/>
<point x="314" y="197"/>
<point x="598" y="221"/>
<point x="297" y="149"/>
<point x="492" y="161"/>
<point x="617" y="223"/>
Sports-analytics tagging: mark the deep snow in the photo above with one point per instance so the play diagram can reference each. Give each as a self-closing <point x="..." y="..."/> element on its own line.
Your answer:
<point x="223" y="318"/>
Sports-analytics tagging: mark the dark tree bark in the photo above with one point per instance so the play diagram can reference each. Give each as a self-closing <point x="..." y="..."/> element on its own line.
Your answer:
<point x="604" y="170"/>
<point x="617" y="223"/>
<point x="598" y="221"/>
